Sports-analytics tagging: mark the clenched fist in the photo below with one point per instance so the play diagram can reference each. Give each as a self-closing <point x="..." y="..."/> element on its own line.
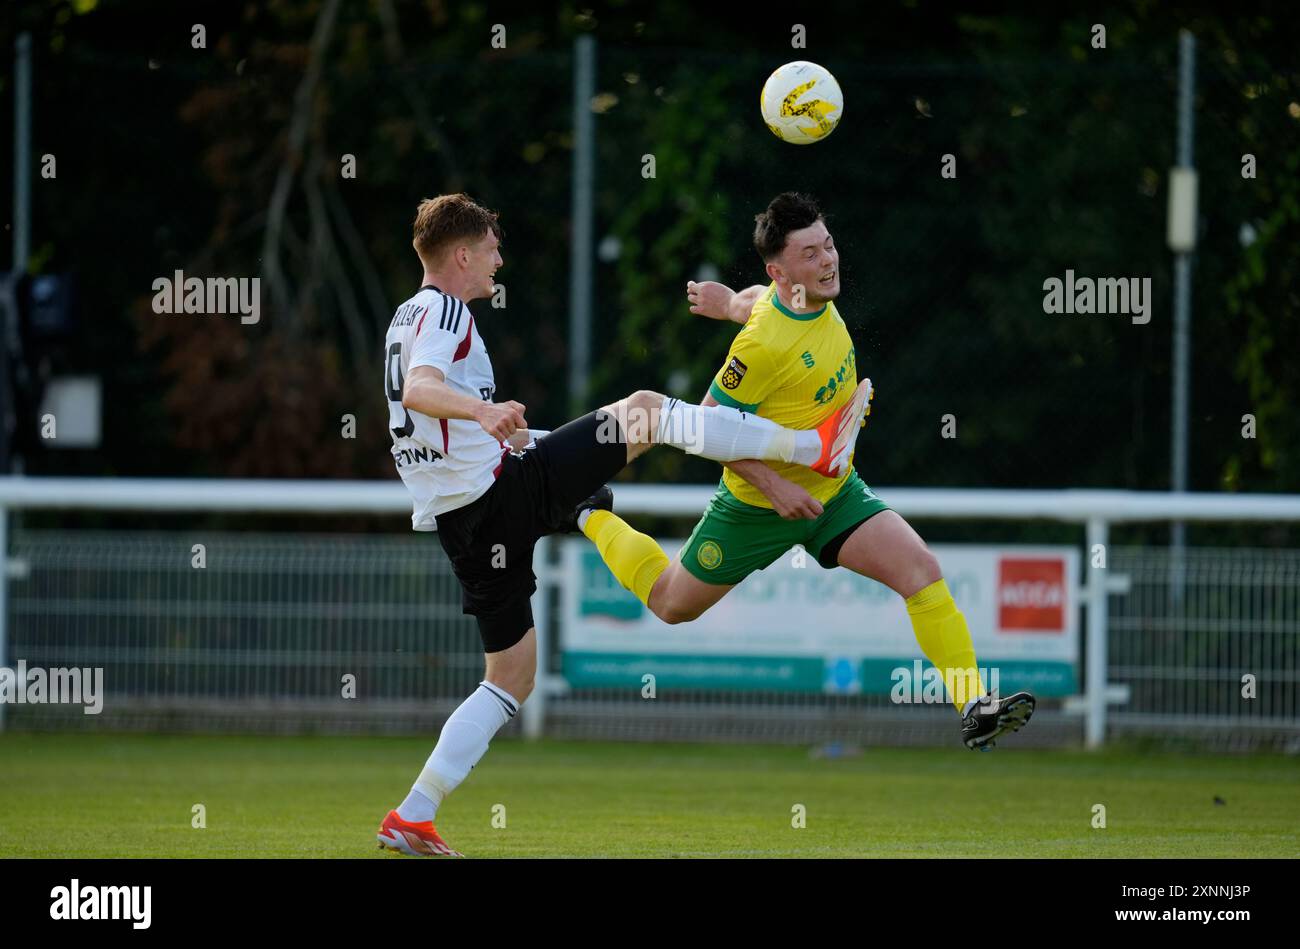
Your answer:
<point x="501" y="419"/>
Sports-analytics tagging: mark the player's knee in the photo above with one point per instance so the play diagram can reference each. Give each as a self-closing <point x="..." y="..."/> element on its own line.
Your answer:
<point x="515" y="673"/>
<point x="645" y="399"/>
<point x="674" y="613"/>
<point x="640" y="399"/>
<point x="925" y="568"/>
<point x="518" y="684"/>
<point x="638" y="415"/>
<point x="522" y="689"/>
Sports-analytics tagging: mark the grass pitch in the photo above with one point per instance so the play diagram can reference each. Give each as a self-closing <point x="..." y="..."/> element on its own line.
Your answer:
<point x="133" y="796"/>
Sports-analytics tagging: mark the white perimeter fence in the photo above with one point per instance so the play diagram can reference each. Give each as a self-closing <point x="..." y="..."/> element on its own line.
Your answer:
<point x="262" y="636"/>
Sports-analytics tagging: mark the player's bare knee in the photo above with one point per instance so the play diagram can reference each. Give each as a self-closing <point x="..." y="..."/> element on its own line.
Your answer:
<point x="667" y="614"/>
<point x="638" y="416"/>
<point x="925" y="569"/>
<point x="674" y="613"/>
<point x="645" y="399"/>
<point x="518" y="685"/>
<point x="522" y="689"/>
<point x="929" y="565"/>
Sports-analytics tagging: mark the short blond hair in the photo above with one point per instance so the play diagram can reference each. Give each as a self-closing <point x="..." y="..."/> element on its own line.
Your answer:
<point x="449" y="219"/>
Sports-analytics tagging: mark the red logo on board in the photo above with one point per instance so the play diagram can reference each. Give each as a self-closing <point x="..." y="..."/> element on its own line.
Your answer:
<point x="1031" y="594"/>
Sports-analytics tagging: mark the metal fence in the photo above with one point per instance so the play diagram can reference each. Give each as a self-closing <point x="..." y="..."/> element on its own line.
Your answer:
<point x="227" y="630"/>
<point x="1185" y="666"/>
<point x="224" y="630"/>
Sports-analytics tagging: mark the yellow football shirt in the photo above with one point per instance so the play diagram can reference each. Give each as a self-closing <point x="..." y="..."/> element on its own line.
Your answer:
<point x="792" y="368"/>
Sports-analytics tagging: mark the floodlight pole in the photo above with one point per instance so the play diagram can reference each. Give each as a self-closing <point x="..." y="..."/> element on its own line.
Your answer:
<point x="1182" y="241"/>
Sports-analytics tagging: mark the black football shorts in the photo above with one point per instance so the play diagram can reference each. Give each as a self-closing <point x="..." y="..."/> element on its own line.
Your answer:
<point x="490" y="541"/>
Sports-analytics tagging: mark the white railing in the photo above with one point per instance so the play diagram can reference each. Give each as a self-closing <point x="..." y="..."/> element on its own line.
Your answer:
<point x="1094" y="510"/>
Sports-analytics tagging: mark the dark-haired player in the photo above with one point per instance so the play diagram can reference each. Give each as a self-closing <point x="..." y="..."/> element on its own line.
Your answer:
<point x="794" y="363"/>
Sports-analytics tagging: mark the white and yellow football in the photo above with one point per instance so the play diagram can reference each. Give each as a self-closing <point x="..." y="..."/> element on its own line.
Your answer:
<point x="802" y="103"/>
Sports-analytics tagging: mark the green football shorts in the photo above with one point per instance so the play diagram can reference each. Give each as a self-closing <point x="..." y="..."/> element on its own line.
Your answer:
<point x="733" y="539"/>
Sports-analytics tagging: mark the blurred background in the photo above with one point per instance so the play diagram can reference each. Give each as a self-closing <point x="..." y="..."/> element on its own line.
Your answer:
<point x="222" y="152"/>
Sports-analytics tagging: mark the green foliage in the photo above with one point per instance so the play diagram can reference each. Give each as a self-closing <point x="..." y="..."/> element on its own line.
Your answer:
<point x="1263" y="295"/>
<point x="667" y="226"/>
<point x="1062" y="155"/>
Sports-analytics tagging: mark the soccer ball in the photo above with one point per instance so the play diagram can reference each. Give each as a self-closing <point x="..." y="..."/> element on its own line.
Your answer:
<point x="802" y="103"/>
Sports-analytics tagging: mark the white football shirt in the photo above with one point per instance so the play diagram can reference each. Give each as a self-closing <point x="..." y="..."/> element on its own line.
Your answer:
<point x="445" y="463"/>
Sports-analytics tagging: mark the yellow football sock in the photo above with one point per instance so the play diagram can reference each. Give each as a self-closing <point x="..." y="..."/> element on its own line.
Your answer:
<point x="634" y="559"/>
<point x="944" y="638"/>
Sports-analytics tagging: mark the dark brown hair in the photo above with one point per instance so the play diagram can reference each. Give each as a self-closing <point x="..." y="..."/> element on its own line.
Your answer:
<point x="789" y="211"/>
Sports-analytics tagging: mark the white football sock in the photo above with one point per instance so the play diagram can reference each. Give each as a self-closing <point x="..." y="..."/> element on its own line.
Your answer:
<point x="464" y="740"/>
<point x="417" y="807"/>
<point x="721" y="433"/>
<point x="582" y="518"/>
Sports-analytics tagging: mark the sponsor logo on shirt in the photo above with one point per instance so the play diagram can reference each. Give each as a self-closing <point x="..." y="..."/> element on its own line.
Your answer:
<point x="734" y="372"/>
<point x="828" y="392"/>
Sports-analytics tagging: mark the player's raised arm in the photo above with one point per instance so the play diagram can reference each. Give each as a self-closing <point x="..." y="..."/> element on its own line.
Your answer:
<point x="717" y="301"/>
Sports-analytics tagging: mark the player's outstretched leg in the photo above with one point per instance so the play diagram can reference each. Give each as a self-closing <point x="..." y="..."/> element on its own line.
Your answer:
<point x="723" y="434"/>
<point x="716" y="432"/>
<point x="886" y="549"/>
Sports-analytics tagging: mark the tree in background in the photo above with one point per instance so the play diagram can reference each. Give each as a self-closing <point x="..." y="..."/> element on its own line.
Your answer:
<point x="227" y="161"/>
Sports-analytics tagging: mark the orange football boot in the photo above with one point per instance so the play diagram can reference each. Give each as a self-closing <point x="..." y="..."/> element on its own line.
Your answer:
<point x="415" y="839"/>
